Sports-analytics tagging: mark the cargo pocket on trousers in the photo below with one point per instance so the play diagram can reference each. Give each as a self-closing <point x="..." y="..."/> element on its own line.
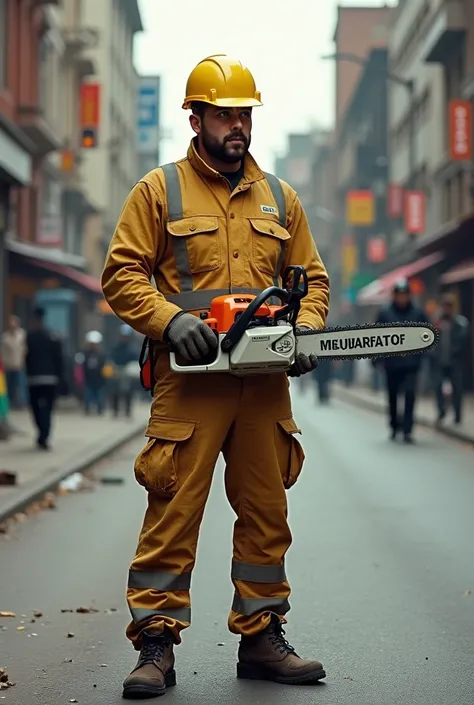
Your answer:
<point x="290" y="451"/>
<point x="168" y="453"/>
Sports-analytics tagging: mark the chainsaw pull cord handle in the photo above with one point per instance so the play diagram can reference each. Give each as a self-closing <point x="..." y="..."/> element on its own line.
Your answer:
<point x="238" y="328"/>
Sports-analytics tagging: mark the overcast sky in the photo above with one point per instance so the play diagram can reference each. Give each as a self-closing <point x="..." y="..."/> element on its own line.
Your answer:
<point x="279" y="40"/>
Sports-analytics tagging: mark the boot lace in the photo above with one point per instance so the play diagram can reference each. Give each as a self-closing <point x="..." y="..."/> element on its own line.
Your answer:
<point x="277" y="638"/>
<point x="151" y="651"/>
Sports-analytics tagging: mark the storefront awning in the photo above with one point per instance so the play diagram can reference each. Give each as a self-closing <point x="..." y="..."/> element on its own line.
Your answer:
<point x="460" y="273"/>
<point x="85" y="280"/>
<point x="378" y="291"/>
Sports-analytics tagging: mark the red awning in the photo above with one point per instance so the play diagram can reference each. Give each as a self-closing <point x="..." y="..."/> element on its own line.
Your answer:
<point x="378" y="291"/>
<point x="460" y="273"/>
<point x="85" y="280"/>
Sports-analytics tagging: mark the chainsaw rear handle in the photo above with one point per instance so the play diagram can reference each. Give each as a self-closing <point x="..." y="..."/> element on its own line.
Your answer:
<point x="292" y="297"/>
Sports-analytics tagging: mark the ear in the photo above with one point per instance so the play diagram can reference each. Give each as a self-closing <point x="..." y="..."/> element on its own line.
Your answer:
<point x="195" y="122"/>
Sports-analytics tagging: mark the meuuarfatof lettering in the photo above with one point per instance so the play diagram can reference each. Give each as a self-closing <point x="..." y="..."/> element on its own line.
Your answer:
<point x="366" y="341"/>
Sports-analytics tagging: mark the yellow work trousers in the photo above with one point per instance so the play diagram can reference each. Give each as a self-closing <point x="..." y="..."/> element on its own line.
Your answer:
<point x="193" y="419"/>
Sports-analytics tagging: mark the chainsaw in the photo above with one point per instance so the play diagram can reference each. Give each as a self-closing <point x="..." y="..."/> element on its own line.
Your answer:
<point x="257" y="337"/>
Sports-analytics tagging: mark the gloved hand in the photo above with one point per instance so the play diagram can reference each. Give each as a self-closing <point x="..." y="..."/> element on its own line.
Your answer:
<point x="190" y="337"/>
<point x="303" y="364"/>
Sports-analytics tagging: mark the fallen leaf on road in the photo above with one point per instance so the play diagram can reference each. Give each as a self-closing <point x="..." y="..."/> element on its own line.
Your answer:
<point x="20" y="517"/>
<point x="70" y="635"/>
<point x="348" y="678"/>
<point x="5" y="682"/>
<point x="73" y="700"/>
<point x="49" y="501"/>
<point x="20" y="629"/>
<point x="63" y="611"/>
<point x="86" y="610"/>
<point x="7" y="614"/>
<point x="104" y="665"/>
<point x="38" y="614"/>
<point x="221" y="643"/>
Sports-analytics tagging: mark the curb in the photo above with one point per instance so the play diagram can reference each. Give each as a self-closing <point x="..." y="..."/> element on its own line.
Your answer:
<point x="36" y="490"/>
<point x="353" y="398"/>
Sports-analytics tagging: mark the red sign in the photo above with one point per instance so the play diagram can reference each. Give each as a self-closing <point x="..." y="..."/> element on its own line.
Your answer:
<point x="460" y="130"/>
<point x="90" y="105"/>
<point x="376" y="250"/>
<point x="395" y="201"/>
<point x="415" y="212"/>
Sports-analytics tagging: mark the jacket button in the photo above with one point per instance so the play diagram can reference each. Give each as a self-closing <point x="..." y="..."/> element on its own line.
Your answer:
<point x="236" y="255"/>
<point x="232" y="215"/>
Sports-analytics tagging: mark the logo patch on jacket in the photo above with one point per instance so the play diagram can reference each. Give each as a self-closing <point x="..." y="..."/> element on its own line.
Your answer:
<point x="269" y="209"/>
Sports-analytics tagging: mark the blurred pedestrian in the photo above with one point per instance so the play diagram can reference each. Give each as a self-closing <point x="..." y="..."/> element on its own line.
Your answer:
<point x="124" y="359"/>
<point x="13" y="352"/>
<point x="447" y="357"/>
<point x="322" y="375"/>
<point x="45" y="371"/>
<point x="401" y="373"/>
<point x="93" y="378"/>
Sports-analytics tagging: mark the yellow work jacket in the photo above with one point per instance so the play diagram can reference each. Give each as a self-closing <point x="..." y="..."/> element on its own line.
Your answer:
<point x="215" y="242"/>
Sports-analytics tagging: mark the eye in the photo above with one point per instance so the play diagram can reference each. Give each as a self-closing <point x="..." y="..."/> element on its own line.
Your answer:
<point x="223" y="113"/>
<point x="246" y="114"/>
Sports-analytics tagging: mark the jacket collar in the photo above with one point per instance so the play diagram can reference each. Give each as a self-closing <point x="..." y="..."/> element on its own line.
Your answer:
<point x="252" y="171"/>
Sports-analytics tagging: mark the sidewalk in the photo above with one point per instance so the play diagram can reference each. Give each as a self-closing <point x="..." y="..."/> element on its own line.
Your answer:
<point x="425" y="410"/>
<point x="77" y="443"/>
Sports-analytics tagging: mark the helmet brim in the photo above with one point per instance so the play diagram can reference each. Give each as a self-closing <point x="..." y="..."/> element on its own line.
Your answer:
<point x="223" y="102"/>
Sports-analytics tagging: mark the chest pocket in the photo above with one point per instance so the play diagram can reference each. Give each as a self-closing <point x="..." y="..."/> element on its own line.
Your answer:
<point x="269" y="240"/>
<point x="195" y="243"/>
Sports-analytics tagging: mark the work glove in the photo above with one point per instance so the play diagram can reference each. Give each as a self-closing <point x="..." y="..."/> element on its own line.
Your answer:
<point x="303" y="363"/>
<point x="190" y="337"/>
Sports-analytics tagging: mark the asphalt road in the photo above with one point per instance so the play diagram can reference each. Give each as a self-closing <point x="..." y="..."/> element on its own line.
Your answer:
<point x="382" y="568"/>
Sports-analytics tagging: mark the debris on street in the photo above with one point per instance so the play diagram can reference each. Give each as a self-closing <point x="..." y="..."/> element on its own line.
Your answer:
<point x="7" y="479"/>
<point x="72" y="483"/>
<point x="7" y="614"/>
<point x="5" y="682"/>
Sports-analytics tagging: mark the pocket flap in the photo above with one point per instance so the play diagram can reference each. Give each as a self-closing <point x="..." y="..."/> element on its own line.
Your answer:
<point x="170" y="429"/>
<point x="289" y="426"/>
<point x="269" y="227"/>
<point x="192" y="226"/>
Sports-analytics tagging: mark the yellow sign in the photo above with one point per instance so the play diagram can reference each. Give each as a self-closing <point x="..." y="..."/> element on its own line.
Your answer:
<point x="350" y="260"/>
<point x="360" y="208"/>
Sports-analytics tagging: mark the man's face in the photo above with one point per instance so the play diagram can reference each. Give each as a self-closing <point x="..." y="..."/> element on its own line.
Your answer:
<point x="402" y="299"/>
<point x="447" y="309"/>
<point x="224" y="132"/>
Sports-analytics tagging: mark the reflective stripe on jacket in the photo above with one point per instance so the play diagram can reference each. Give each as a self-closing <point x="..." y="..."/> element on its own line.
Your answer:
<point x="185" y="228"/>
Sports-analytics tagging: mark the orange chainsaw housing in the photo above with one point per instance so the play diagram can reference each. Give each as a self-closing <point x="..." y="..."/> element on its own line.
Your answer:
<point x="223" y="313"/>
<point x="225" y="310"/>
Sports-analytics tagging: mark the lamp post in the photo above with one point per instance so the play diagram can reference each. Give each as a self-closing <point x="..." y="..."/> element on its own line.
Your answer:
<point x="409" y="85"/>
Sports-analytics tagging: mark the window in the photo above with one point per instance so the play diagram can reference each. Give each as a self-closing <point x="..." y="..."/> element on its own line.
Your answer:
<point x="3" y="43"/>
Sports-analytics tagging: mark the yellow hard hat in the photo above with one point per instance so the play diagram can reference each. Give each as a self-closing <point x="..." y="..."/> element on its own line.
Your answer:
<point x="222" y="81"/>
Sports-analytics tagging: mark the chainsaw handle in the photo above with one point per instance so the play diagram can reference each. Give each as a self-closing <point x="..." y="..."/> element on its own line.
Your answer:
<point x="238" y="328"/>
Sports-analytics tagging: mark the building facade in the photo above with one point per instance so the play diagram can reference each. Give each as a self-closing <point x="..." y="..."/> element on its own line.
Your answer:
<point x="359" y="31"/>
<point x="109" y="170"/>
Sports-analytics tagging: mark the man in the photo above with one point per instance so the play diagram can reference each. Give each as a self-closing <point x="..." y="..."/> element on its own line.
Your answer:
<point x="213" y="223"/>
<point x="94" y="379"/>
<point x="44" y="368"/>
<point x="447" y="357"/>
<point x="402" y="372"/>
<point x="13" y="353"/>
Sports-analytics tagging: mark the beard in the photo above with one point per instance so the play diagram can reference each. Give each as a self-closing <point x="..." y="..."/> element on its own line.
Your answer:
<point x="226" y="151"/>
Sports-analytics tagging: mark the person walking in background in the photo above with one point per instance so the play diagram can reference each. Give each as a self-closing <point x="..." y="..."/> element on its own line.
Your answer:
<point x="401" y="373"/>
<point x="13" y="351"/>
<point x="124" y="355"/>
<point x="94" y="379"/>
<point x="447" y="357"/>
<point x="45" y="371"/>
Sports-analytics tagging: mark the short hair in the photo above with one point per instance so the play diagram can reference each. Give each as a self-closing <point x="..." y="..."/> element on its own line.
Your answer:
<point x="198" y="108"/>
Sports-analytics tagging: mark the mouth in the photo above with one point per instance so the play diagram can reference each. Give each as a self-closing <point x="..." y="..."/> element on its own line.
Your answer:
<point x="236" y="140"/>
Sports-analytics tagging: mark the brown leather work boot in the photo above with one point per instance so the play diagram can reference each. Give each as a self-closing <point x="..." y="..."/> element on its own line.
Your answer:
<point x="154" y="671"/>
<point x="268" y="656"/>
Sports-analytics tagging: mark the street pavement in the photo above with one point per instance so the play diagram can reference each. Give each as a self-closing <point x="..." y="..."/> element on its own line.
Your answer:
<point x="382" y="571"/>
